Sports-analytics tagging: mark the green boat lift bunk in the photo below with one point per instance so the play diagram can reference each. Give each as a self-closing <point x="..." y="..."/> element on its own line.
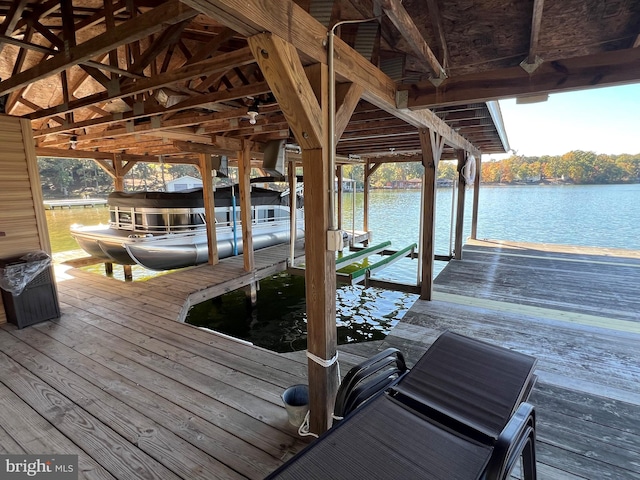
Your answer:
<point x="364" y="274"/>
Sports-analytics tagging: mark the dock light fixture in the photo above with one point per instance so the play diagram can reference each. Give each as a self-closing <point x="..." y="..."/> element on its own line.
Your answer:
<point x="253" y="111"/>
<point x="73" y="142"/>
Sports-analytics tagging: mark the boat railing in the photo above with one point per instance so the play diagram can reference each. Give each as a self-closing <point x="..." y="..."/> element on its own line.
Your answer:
<point x="259" y="215"/>
<point x="150" y="221"/>
<point x="160" y="221"/>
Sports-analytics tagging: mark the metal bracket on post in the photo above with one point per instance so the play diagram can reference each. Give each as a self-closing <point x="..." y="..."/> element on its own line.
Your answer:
<point x="529" y="66"/>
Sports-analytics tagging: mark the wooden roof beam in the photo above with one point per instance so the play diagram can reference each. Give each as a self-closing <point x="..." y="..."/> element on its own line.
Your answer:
<point x="218" y="145"/>
<point x="405" y="25"/>
<point x="532" y="61"/>
<point x="287" y="20"/>
<point x="150" y="22"/>
<point x="225" y="95"/>
<point x="222" y="62"/>
<point x="170" y="36"/>
<point x="11" y="18"/>
<point x="618" y="67"/>
<point x="66" y="153"/>
<point x="436" y="23"/>
<point x="368" y="9"/>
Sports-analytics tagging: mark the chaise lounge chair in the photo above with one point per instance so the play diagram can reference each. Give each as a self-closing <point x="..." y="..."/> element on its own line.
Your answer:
<point x="460" y="413"/>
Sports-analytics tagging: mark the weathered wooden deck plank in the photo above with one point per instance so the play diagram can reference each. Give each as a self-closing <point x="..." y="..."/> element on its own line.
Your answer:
<point x="98" y="440"/>
<point x="216" y="395"/>
<point x="588" y="394"/>
<point x="600" y="282"/>
<point x="201" y="424"/>
<point x="35" y="435"/>
<point x="250" y="377"/>
<point x="218" y="442"/>
<point x="238" y="430"/>
<point x="240" y="355"/>
<point x="151" y="437"/>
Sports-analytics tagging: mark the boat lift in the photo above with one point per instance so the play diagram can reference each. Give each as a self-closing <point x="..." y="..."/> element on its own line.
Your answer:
<point x="363" y="274"/>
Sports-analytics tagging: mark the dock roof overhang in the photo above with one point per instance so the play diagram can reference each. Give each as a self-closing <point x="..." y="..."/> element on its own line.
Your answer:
<point x="142" y="79"/>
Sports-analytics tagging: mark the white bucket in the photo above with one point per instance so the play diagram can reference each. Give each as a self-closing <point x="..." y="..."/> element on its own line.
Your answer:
<point x="296" y="402"/>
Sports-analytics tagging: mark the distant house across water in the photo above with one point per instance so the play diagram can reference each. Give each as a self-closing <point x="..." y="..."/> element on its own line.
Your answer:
<point x="183" y="183"/>
<point x="412" y="183"/>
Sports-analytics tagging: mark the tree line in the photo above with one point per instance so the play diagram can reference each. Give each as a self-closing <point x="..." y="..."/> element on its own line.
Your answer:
<point x="77" y="177"/>
<point x="80" y="177"/>
<point x="576" y="166"/>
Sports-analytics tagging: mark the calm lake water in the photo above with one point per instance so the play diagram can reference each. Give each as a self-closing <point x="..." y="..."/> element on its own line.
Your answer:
<point x="587" y="215"/>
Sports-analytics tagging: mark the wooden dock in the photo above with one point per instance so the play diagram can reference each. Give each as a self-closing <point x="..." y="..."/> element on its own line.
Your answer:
<point x="75" y="202"/>
<point x="578" y="311"/>
<point x="171" y="295"/>
<point x="138" y="395"/>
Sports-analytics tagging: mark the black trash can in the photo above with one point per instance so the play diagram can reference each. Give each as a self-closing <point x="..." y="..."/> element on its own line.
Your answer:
<point x="38" y="301"/>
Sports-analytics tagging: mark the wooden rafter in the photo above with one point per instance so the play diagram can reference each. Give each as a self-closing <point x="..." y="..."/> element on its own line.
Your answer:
<point x="68" y="28"/>
<point x="150" y="22"/>
<point x="367" y="10"/>
<point x="170" y="36"/>
<point x="405" y="25"/>
<point x="282" y="68"/>
<point x="226" y="95"/>
<point x="532" y="61"/>
<point x="436" y="23"/>
<point x="210" y="48"/>
<point x="288" y="20"/>
<point x="220" y="63"/>
<point x="11" y="19"/>
<point x="604" y="69"/>
<point x="48" y="34"/>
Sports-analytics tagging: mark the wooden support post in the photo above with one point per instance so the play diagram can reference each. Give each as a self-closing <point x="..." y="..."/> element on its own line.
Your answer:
<point x="304" y="103"/>
<point x="457" y="254"/>
<point x="339" y="193"/>
<point x="476" y="199"/>
<point x="128" y="274"/>
<point x="365" y="207"/>
<point x="118" y="180"/>
<point x="432" y="145"/>
<point x="251" y="292"/>
<point x="108" y="269"/>
<point x="320" y="277"/>
<point x="205" y="166"/>
<point x="368" y="171"/>
<point x="293" y="206"/>
<point x="244" y="172"/>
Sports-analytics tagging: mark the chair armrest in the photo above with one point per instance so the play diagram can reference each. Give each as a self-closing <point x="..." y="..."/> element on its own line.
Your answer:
<point x="516" y="439"/>
<point x="390" y="360"/>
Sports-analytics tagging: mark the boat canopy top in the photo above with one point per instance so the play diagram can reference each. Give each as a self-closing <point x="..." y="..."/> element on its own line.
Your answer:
<point x="193" y="198"/>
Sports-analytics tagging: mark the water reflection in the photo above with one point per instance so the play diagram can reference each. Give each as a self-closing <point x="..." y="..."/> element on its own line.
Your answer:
<point x="278" y="322"/>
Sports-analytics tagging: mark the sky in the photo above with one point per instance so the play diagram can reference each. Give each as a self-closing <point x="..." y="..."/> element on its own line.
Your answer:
<point x="602" y="120"/>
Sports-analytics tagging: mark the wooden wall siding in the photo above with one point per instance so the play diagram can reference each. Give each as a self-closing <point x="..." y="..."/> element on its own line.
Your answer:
<point x="22" y="217"/>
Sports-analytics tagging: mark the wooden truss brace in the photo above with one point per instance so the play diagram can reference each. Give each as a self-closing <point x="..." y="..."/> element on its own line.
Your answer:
<point x="157" y="111"/>
<point x="288" y="20"/>
<point x="405" y="25"/>
<point x="532" y="62"/>
<point x="222" y="62"/>
<point x="150" y="22"/>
